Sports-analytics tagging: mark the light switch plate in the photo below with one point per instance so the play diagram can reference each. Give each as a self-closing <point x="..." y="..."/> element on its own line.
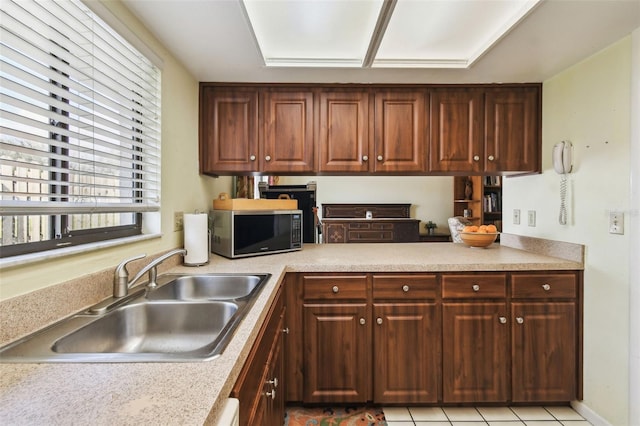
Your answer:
<point x="532" y="217"/>
<point x="616" y="223"/>
<point x="516" y="216"/>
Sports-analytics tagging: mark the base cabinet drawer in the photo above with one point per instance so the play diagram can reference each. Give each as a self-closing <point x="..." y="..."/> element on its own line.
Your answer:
<point x="542" y="286"/>
<point x="474" y="286"/>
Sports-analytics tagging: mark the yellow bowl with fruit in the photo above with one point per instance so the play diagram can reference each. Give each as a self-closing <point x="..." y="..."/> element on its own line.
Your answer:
<point x="479" y="236"/>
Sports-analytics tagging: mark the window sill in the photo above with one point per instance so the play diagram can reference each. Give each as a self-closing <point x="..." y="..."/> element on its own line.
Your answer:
<point x="26" y="259"/>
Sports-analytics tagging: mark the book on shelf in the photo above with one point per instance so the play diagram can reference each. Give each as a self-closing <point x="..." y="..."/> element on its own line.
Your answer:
<point x="492" y="203"/>
<point x="491" y="181"/>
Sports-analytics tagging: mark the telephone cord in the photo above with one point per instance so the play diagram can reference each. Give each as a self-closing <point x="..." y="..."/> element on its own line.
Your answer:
<point x="562" y="218"/>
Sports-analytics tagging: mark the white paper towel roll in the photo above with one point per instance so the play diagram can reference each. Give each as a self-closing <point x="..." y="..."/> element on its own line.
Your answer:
<point x="196" y="239"/>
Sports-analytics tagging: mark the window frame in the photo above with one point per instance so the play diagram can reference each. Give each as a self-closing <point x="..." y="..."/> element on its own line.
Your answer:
<point x="59" y="234"/>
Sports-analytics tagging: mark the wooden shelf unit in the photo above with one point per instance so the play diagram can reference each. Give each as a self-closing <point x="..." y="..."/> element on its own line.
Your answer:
<point x="478" y="203"/>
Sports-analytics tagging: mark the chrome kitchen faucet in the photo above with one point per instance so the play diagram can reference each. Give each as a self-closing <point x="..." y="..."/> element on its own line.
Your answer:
<point x="121" y="283"/>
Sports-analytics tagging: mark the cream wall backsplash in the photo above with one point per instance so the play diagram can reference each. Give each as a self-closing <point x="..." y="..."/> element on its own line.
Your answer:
<point x="589" y="104"/>
<point x="431" y="196"/>
<point x="183" y="189"/>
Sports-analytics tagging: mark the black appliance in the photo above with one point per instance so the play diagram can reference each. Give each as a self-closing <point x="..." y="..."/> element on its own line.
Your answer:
<point x="306" y="196"/>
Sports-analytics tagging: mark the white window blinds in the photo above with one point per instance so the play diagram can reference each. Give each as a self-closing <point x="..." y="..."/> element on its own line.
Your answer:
<point x="79" y="114"/>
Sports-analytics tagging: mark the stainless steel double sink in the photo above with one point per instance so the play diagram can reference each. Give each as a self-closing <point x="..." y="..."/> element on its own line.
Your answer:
<point x="186" y="318"/>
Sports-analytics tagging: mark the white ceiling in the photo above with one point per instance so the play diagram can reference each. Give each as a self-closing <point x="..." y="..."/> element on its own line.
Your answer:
<point x="214" y="40"/>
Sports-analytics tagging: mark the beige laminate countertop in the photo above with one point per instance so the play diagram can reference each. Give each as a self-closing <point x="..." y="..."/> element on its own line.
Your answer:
<point x="192" y="393"/>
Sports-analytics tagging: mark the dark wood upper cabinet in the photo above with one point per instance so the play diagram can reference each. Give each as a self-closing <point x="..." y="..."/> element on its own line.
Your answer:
<point x="370" y="129"/>
<point x="485" y="130"/>
<point x="343" y="143"/>
<point x="399" y="131"/>
<point x="512" y="123"/>
<point x="228" y="130"/>
<point x="288" y="132"/>
<point x="456" y="130"/>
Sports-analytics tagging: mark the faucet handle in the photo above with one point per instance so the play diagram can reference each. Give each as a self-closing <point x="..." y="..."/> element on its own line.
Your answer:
<point x="121" y="276"/>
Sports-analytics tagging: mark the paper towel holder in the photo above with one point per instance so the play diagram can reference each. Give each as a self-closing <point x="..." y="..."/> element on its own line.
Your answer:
<point x="194" y="241"/>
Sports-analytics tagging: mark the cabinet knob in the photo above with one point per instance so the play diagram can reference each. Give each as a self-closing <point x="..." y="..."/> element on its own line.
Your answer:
<point x="476" y="158"/>
<point x="519" y="320"/>
<point x="476" y="287"/>
<point x="252" y="157"/>
<point x="380" y="157"/>
<point x="503" y="320"/>
<point x="285" y="330"/>
<point x="273" y="382"/>
<point x="362" y="321"/>
<point x="405" y="288"/>
<point x="271" y="394"/>
<point x="379" y="320"/>
<point x="267" y="158"/>
<point x="335" y="289"/>
<point x="365" y="158"/>
<point x="491" y="158"/>
<point x="546" y="287"/>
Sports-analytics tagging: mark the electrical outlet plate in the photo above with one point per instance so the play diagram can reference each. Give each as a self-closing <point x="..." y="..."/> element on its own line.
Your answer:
<point x="178" y="221"/>
<point x="532" y="217"/>
<point x="616" y="223"/>
<point x="516" y="216"/>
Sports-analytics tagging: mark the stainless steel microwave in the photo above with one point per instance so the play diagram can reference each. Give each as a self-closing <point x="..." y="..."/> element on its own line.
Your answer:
<point x="244" y="233"/>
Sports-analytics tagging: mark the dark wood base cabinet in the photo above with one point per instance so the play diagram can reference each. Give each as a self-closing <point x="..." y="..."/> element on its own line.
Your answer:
<point x="261" y="386"/>
<point x="442" y="338"/>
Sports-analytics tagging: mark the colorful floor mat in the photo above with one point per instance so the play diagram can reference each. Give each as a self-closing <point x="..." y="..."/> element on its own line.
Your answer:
<point x="334" y="416"/>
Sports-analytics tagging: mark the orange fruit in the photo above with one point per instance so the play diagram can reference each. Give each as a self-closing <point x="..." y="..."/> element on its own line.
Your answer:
<point x="467" y="229"/>
<point x="492" y="228"/>
<point x="482" y="229"/>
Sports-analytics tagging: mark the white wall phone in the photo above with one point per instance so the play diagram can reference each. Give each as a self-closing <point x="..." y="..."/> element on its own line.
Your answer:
<point x="562" y="157"/>
<point x="563" y="163"/>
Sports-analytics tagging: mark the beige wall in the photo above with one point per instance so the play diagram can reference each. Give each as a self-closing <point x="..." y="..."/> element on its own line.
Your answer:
<point x="431" y="196"/>
<point x="183" y="189"/>
<point x="589" y="104"/>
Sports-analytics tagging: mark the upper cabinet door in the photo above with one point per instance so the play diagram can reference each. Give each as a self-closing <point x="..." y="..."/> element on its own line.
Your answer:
<point x="456" y="142"/>
<point x="512" y="140"/>
<point x="228" y="130"/>
<point x="344" y="131"/>
<point x="399" y="135"/>
<point x="288" y="132"/>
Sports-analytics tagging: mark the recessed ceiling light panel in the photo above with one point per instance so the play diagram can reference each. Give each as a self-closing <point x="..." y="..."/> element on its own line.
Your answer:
<point x="418" y="33"/>
<point x="446" y="34"/>
<point x="313" y="32"/>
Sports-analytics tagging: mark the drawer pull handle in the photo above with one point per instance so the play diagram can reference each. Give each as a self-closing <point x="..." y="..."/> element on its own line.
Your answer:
<point x="476" y="287"/>
<point x="379" y="321"/>
<point x="405" y="288"/>
<point x="546" y="287"/>
<point x="273" y="382"/>
<point x="271" y="394"/>
<point x="503" y="320"/>
<point x="285" y="330"/>
<point x="362" y="321"/>
<point x="335" y="289"/>
<point x="519" y="320"/>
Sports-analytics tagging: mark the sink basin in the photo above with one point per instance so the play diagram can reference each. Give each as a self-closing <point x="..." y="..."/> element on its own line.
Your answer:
<point x="208" y="287"/>
<point x="186" y="318"/>
<point x="152" y="327"/>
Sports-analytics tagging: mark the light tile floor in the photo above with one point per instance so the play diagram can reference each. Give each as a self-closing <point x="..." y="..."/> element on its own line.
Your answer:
<point x="487" y="416"/>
